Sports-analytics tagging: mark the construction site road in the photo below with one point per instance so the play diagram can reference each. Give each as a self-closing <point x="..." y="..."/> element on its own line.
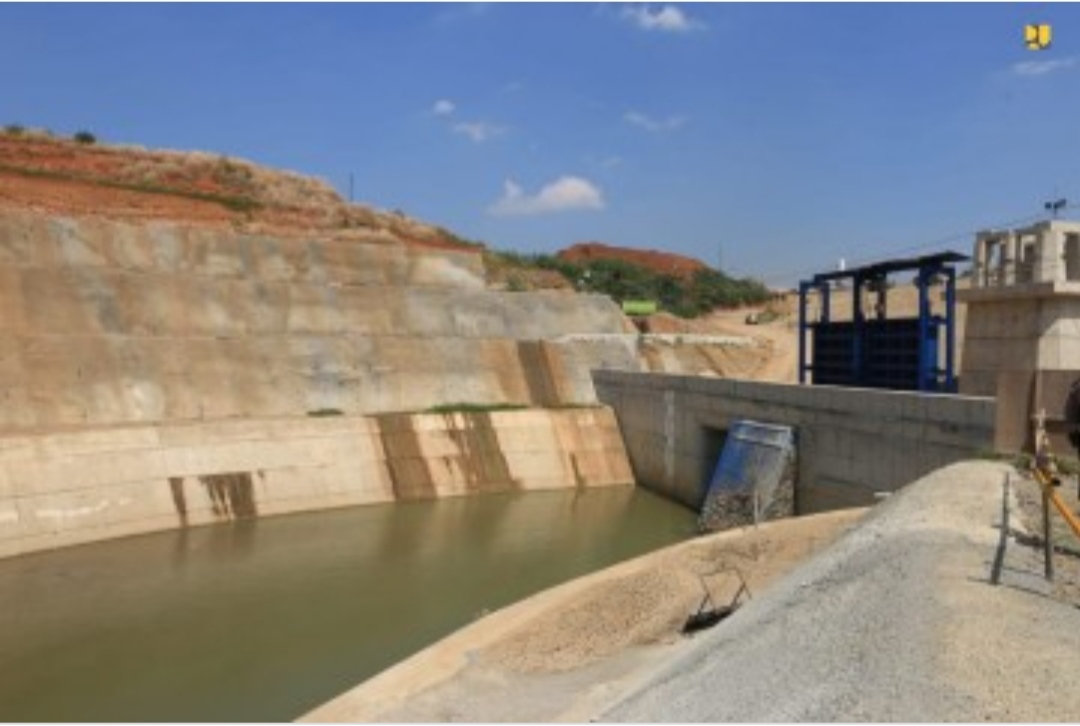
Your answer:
<point x="929" y="610"/>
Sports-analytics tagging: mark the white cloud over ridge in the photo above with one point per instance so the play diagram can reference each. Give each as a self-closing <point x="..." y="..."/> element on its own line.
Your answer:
<point x="1041" y="68"/>
<point x="567" y="193"/>
<point x="443" y="107"/>
<point x="668" y="18"/>
<point x="671" y="123"/>
<point x="478" y="131"/>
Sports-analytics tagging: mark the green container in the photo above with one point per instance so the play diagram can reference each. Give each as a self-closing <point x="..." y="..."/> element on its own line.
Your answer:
<point x="639" y="307"/>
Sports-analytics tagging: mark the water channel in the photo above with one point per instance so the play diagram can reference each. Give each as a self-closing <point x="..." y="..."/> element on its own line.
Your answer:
<point x="265" y="619"/>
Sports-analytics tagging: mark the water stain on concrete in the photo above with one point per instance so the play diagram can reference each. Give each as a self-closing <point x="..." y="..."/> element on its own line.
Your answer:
<point x="537" y="367"/>
<point x="176" y="484"/>
<point x="579" y="480"/>
<point x="482" y="459"/>
<point x="410" y="476"/>
<point x="231" y="495"/>
<point x="479" y="458"/>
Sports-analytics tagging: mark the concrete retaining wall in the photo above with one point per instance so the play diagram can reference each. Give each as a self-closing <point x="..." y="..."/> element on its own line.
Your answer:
<point x="67" y="488"/>
<point x="852" y="442"/>
<point x="107" y="322"/>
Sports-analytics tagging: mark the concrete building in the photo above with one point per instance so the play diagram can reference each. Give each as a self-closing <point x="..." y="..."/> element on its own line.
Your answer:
<point x="1022" y="339"/>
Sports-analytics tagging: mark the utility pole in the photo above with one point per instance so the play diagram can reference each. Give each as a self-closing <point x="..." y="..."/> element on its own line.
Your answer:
<point x="351" y="184"/>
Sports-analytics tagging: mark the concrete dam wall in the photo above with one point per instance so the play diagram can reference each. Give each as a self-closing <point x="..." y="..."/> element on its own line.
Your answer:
<point x="852" y="443"/>
<point x="156" y="375"/>
<point x="108" y="322"/>
<point x="68" y="488"/>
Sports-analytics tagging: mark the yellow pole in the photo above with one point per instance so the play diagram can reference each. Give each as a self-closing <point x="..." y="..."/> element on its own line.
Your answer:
<point x="1049" y="490"/>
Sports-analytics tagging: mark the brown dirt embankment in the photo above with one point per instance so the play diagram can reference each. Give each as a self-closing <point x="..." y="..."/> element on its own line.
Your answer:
<point x="59" y="176"/>
<point x="567" y="652"/>
<point x="666" y="263"/>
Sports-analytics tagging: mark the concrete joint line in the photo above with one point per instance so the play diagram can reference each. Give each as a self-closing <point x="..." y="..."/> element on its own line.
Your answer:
<point x="669" y="437"/>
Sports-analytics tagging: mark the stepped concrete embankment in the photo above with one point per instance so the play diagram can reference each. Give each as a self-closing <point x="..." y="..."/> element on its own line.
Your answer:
<point x="66" y="488"/>
<point x="108" y="322"/>
<point x="160" y="374"/>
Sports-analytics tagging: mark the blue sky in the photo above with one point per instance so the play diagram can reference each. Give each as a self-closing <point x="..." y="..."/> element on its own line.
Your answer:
<point x="781" y="137"/>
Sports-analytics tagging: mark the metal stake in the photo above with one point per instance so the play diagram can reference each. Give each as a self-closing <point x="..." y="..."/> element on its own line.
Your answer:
<point x="1048" y="544"/>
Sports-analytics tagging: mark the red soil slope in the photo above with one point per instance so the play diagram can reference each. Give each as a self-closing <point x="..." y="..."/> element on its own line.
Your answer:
<point x="64" y="177"/>
<point x="661" y="262"/>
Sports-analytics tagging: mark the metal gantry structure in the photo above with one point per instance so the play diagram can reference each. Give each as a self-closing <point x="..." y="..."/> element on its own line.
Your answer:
<point x="875" y="351"/>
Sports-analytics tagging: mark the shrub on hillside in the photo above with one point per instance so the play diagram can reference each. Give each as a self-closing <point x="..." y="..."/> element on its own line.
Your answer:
<point x="706" y="290"/>
<point x="85" y="137"/>
<point x="14" y="129"/>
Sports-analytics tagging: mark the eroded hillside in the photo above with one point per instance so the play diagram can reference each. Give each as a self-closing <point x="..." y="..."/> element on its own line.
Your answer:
<point x="61" y="176"/>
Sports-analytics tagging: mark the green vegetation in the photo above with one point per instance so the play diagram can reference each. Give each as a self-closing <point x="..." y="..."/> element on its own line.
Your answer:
<point x="624" y="281"/>
<point x="15" y="129"/>
<point x="85" y="137"/>
<point x="457" y="239"/>
<point x="323" y="412"/>
<point x="475" y="407"/>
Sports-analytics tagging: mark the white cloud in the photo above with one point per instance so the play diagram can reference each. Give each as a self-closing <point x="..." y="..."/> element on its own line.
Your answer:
<point x="1041" y="68"/>
<point x="669" y="19"/>
<point x="565" y="194"/>
<point x="462" y="12"/>
<point x="443" y="107"/>
<point x="671" y="123"/>
<point x="478" y="131"/>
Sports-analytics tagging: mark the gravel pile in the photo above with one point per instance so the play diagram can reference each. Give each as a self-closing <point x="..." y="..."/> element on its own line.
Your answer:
<point x="897" y="621"/>
<point x="729" y="509"/>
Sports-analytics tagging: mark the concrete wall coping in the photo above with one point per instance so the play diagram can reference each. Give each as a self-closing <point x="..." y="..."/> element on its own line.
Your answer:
<point x="764" y="389"/>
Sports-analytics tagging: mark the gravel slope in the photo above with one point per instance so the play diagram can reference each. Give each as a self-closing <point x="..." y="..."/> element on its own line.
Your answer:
<point x="898" y="621"/>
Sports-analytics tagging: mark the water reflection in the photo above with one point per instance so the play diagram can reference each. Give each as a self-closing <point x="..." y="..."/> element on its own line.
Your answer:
<point x="264" y="619"/>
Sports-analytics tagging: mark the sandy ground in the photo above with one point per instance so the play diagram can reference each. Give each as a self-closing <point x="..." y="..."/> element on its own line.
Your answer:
<point x="1028" y="528"/>
<point x="772" y="356"/>
<point x="571" y="652"/>
<point x="779" y="337"/>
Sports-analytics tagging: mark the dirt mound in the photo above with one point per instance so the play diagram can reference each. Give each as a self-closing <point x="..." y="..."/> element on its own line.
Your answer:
<point x="660" y="262"/>
<point x="65" y="177"/>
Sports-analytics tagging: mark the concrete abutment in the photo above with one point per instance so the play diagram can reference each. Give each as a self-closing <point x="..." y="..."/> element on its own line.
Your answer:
<point x="852" y="443"/>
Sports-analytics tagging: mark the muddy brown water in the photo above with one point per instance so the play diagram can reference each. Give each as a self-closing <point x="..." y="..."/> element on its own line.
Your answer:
<point x="265" y="619"/>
